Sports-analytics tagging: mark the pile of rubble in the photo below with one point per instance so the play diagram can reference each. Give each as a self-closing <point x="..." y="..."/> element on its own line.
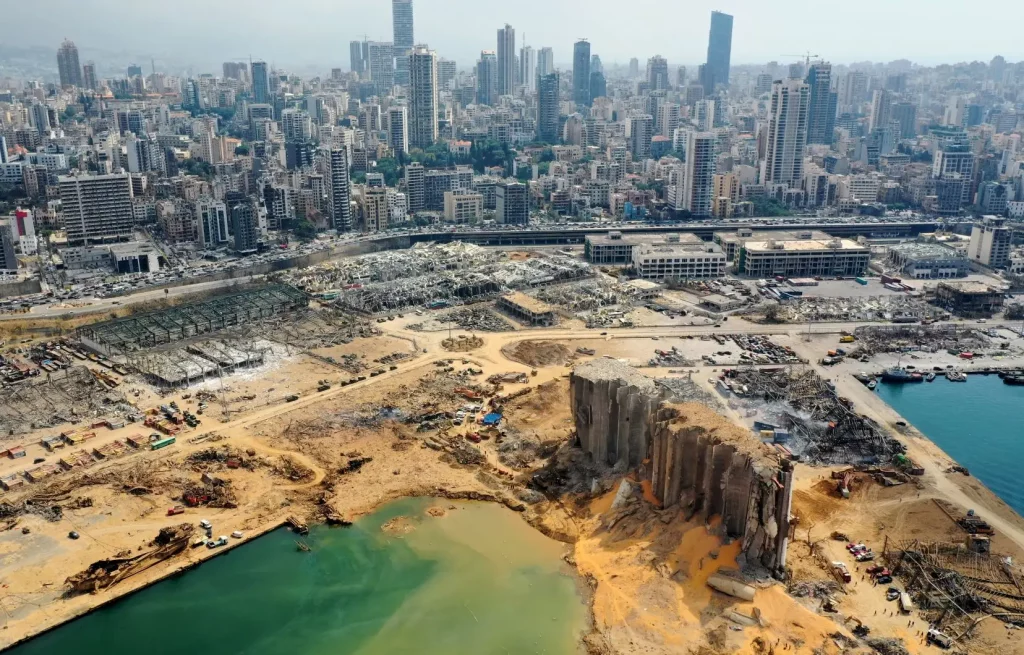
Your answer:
<point x="930" y="338"/>
<point x="68" y="396"/>
<point x="818" y="425"/>
<point x="210" y="492"/>
<point x="462" y="343"/>
<point x="896" y="308"/>
<point x="478" y="318"/>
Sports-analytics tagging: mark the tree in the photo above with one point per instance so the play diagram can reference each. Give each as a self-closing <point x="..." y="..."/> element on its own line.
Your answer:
<point x="196" y="167"/>
<point x="359" y="177"/>
<point x="391" y="170"/>
<point x="242" y="150"/>
<point x="304" y="230"/>
<point x="770" y="207"/>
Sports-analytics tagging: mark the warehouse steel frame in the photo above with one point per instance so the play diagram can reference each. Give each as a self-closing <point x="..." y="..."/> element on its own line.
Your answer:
<point x="177" y="323"/>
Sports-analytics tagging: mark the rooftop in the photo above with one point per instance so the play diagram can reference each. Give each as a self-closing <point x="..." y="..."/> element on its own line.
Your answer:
<point x="970" y="286"/>
<point x="925" y="250"/>
<point x="529" y="303"/>
<point x="766" y="235"/>
<point x="683" y="248"/>
<point x="808" y="245"/>
<point x="637" y="239"/>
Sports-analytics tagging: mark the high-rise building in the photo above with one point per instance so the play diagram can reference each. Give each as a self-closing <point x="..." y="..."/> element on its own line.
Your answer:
<point x="212" y="216"/>
<point x="506" y="61"/>
<point x="355" y="58"/>
<point x="545" y="62"/>
<point x="245" y="224"/>
<point x="97" y="207"/>
<point x="260" y="82"/>
<point x="657" y="73"/>
<point x="641" y="132"/>
<point x="547" y="108"/>
<point x="634" y="68"/>
<point x="8" y="257"/>
<point x="598" y="85"/>
<point x="581" y="73"/>
<point x="39" y="118"/>
<point x="955" y="111"/>
<point x="905" y="113"/>
<point x="3" y="149"/>
<point x="381" y="66"/>
<point x="953" y="166"/>
<point x="401" y="18"/>
<point x="487" y="78"/>
<point x="416" y="187"/>
<point x="821" y="112"/>
<point x="67" y="64"/>
<point x="376" y="211"/>
<point x="89" y="80"/>
<point x="528" y="68"/>
<point x="700" y="173"/>
<point x="512" y="203"/>
<point x="296" y="125"/>
<point x="881" y="109"/>
<point x="339" y="192"/>
<point x="853" y="89"/>
<point x="447" y="71"/>
<point x="719" y="51"/>
<point x="398" y="129"/>
<point x="144" y="155"/>
<point x="423" y="97"/>
<point x="787" y="133"/>
<point x="991" y="242"/>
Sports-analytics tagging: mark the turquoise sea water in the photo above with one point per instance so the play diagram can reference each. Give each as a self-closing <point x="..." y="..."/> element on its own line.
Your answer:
<point x="979" y="423"/>
<point x="478" y="580"/>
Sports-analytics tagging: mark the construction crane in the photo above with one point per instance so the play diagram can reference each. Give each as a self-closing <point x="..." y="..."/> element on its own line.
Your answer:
<point x="807" y="55"/>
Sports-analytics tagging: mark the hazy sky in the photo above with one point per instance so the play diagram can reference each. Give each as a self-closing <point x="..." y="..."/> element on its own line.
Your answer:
<point x="299" y="33"/>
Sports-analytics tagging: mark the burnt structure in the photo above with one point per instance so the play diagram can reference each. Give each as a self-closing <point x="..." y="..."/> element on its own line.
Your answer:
<point x="694" y="459"/>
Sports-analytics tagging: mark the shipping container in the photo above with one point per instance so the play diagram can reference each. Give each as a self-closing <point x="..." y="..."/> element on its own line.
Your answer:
<point x="162" y="443"/>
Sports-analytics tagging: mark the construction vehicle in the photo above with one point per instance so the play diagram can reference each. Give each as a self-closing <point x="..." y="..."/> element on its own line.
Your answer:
<point x="174" y="511"/>
<point x="849" y="338"/>
<point x="468" y="394"/>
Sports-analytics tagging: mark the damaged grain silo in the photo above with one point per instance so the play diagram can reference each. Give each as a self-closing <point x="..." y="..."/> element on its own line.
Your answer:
<point x="694" y="458"/>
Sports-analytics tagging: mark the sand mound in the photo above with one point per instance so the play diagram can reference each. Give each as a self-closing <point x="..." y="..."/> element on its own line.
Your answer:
<point x="537" y="353"/>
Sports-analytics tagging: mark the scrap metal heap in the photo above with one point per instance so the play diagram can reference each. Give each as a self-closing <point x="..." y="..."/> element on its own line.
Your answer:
<point x="72" y="395"/>
<point x="868" y="308"/>
<point x="933" y="338"/>
<point x="695" y="459"/>
<point x="953" y="586"/>
<point x="435" y="275"/>
<point x="823" y="426"/>
<point x="107" y="572"/>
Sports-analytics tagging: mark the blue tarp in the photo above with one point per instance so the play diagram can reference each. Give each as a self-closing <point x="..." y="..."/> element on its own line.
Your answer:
<point x="492" y="419"/>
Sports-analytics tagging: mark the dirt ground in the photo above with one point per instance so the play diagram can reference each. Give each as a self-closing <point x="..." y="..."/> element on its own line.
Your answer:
<point x="645" y="575"/>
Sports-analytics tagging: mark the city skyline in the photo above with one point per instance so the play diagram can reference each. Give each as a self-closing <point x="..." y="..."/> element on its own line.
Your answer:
<point x="758" y="35"/>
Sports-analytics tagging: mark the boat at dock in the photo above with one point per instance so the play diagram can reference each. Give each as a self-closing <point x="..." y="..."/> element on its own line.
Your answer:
<point x="930" y="377"/>
<point x="1014" y="380"/>
<point x="900" y="375"/>
<point x="956" y="376"/>
<point x="872" y="384"/>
